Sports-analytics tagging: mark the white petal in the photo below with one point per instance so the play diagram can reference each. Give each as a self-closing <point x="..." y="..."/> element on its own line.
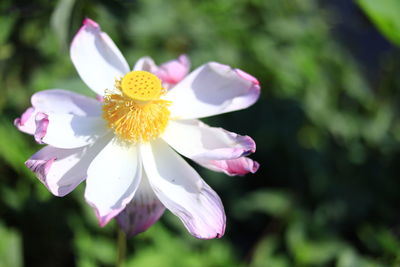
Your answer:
<point x="67" y="130"/>
<point x="56" y="101"/>
<point x="96" y="58"/>
<point x="113" y="178"/>
<point x="212" y="89"/>
<point x="142" y="212"/>
<point x="63" y="101"/>
<point x="197" y="140"/>
<point x="146" y="64"/>
<point x="182" y="191"/>
<point x="61" y="170"/>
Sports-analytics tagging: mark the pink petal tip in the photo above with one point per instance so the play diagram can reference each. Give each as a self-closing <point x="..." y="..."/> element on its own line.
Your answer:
<point x="91" y="23"/>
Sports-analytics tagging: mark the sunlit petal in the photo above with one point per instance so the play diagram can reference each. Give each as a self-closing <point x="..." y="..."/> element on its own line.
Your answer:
<point x="183" y="191"/>
<point x="113" y="178"/>
<point x="96" y="58"/>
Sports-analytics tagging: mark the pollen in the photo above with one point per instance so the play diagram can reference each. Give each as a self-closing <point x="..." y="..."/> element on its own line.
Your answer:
<point x="135" y="110"/>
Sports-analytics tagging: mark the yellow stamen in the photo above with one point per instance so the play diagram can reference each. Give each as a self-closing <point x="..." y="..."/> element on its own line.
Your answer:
<point x="135" y="111"/>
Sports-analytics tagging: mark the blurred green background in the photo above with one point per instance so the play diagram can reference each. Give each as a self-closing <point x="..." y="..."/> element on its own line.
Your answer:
<point x="327" y="129"/>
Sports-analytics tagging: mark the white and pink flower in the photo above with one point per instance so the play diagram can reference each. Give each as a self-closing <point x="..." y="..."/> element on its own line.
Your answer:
<point x="134" y="174"/>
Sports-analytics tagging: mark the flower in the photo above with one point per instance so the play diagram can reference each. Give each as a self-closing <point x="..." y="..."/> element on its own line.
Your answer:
<point x="124" y="145"/>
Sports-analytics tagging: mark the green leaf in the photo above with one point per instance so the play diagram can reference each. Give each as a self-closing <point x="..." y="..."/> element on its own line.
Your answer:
<point x="349" y="258"/>
<point x="309" y="251"/>
<point x="273" y="202"/>
<point x="385" y="15"/>
<point x="15" y="153"/>
<point x="10" y="248"/>
<point x="6" y="25"/>
<point x="266" y="253"/>
<point x="60" y="20"/>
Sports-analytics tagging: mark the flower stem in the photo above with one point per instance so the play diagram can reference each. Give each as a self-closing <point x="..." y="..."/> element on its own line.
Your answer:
<point x="121" y="250"/>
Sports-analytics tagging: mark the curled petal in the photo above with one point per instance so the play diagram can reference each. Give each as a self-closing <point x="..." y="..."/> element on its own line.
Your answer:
<point x="231" y="167"/>
<point x="42" y="122"/>
<point x="142" y="212"/>
<point x="26" y="123"/>
<point x="212" y="89"/>
<point x="197" y="140"/>
<point x="174" y="71"/>
<point x="180" y="188"/>
<point x="96" y="58"/>
<point x="113" y="178"/>
<point x="56" y="101"/>
<point x="67" y="130"/>
<point x="61" y="170"/>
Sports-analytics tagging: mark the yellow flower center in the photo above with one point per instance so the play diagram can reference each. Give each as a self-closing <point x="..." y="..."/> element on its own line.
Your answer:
<point x="135" y="111"/>
<point x="141" y="85"/>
